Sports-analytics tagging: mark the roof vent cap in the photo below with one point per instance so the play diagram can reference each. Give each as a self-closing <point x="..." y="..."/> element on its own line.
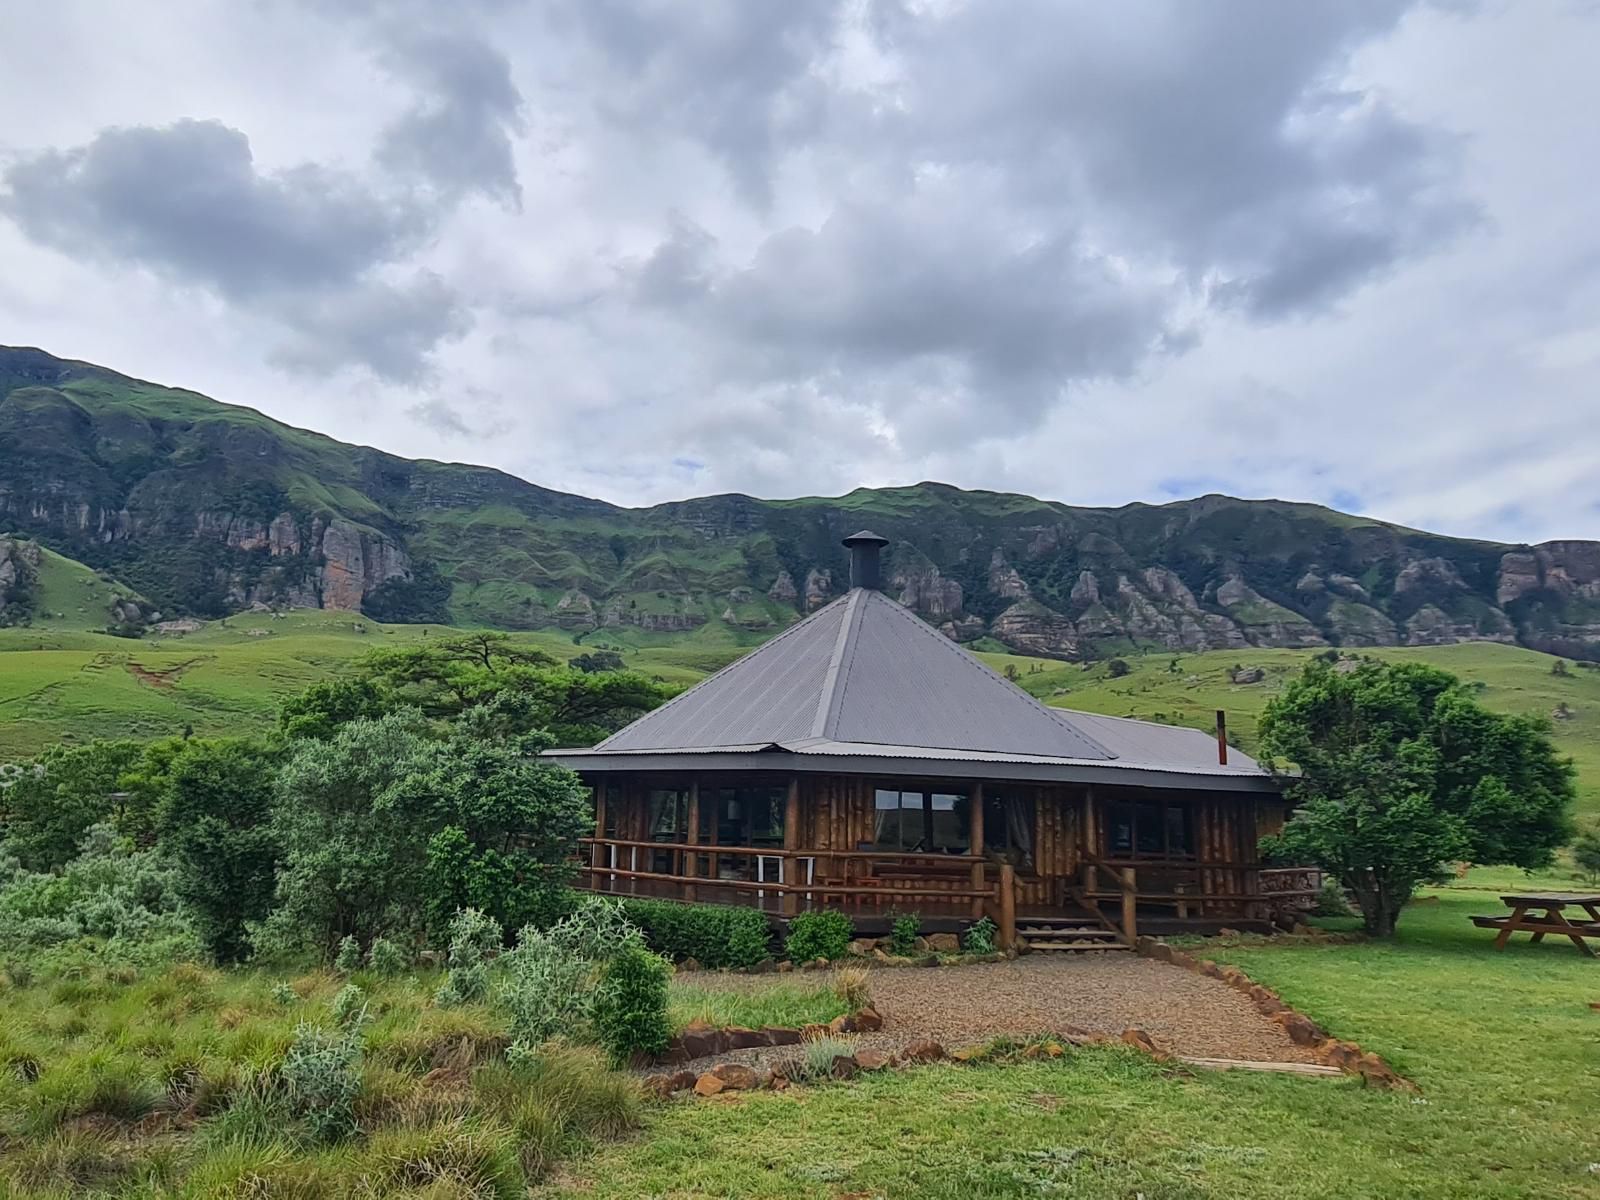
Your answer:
<point x="865" y="570"/>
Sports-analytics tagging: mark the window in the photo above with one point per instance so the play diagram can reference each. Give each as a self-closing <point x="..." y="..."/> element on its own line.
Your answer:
<point x="743" y="816"/>
<point x="1149" y="829"/>
<point x="669" y="814"/>
<point x="922" y="822"/>
<point x="1008" y="825"/>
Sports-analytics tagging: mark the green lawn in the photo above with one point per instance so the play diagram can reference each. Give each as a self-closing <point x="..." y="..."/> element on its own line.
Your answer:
<point x="1503" y="1045"/>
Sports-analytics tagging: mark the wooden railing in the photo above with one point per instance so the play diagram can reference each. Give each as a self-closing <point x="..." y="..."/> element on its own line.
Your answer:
<point x="789" y="881"/>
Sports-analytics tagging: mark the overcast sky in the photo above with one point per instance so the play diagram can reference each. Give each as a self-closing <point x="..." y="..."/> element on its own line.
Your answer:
<point x="643" y="249"/>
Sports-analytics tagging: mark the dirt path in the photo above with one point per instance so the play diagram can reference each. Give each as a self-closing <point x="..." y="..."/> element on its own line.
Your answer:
<point x="166" y="677"/>
<point x="1183" y="1012"/>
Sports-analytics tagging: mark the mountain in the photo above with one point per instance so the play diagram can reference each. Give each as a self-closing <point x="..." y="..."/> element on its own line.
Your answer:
<point x="208" y="508"/>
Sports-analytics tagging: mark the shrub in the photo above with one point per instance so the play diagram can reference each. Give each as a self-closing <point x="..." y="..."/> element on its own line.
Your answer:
<point x="321" y="1076"/>
<point x="1331" y="900"/>
<point x="1586" y="854"/>
<point x="817" y="1055"/>
<point x="386" y="957"/>
<point x="1117" y="668"/>
<point x="816" y="935"/>
<point x="903" y="935"/>
<point x="473" y="937"/>
<point x="980" y="936"/>
<point x="597" y="929"/>
<point x="547" y="989"/>
<point x="349" y="1006"/>
<point x="630" y="1009"/>
<point x="284" y="994"/>
<point x="348" y="960"/>
<point x="714" y="935"/>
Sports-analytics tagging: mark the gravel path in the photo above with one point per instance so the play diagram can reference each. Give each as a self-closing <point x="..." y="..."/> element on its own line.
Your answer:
<point x="1182" y="1012"/>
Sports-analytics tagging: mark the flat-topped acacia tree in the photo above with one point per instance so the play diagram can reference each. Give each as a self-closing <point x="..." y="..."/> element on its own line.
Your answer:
<point x="1402" y="773"/>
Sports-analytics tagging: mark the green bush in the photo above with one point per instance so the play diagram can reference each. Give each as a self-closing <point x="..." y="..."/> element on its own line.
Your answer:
<point x="1331" y="900"/>
<point x="349" y="1006"/>
<point x="816" y="935"/>
<point x="630" y="1011"/>
<point x="980" y="936"/>
<point x="473" y="937"/>
<point x="547" y="989"/>
<point x="348" y="960"/>
<point x="903" y="935"/>
<point x="285" y="995"/>
<point x="386" y="958"/>
<point x="321" y="1076"/>
<point x="714" y="935"/>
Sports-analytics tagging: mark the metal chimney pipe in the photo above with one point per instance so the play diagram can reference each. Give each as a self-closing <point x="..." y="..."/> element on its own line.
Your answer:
<point x="865" y="568"/>
<point x="1222" y="738"/>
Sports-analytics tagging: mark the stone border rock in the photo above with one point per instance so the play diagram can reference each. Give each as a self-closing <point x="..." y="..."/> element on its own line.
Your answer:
<point x="702" y="1040"/>
<point x="1301" y="1029"/>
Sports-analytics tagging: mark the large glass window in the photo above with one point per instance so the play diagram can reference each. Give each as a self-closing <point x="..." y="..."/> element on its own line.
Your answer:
<point x="1149" y="829"/>
<point x="921" y="821"/>
<point x="743" y="816"/>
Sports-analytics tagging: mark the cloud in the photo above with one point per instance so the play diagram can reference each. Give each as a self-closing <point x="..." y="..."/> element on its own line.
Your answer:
<point x="301" y="246"/>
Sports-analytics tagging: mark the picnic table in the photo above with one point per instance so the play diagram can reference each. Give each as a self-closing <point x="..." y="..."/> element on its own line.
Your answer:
<point x="1553" y="920"/>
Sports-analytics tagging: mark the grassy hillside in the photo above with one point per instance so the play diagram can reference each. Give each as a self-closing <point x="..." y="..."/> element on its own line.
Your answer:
<point x="60" y="679"/>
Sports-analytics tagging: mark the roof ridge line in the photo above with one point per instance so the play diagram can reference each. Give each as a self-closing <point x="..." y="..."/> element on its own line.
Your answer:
<point x="972" y="660"/>
<point x="831" y="696"/>
<point x="689" y="691"/>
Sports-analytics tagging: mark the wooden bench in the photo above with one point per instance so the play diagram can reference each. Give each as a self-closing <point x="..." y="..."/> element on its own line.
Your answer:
<point x="1553" y="919"/>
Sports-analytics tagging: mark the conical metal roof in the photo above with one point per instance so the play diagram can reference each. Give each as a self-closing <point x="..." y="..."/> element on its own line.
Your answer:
<point x="863" y="670"/>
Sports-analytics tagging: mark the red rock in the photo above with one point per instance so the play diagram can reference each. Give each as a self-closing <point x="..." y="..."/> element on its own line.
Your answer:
<point x="1209" y="968"/>
<point x="785" y="967"/>
<point x="944" y="943"/>
<point x="871" y="1060"/>
<point x="657" y="1085"/>
<point x="700" y="1040"/>
<point x="844" y="1066"/>
<point x="708" y="1085"/>
<point x="1266" y="1001"/>
<point x="1344" y="1055"/>
<point x="841" y="1025"/>
<point x="735" y="1076"/>
<point x="1181" y="959"/>
<point x="681" y="1081"/>
<point x="780" y="1081"/>
<point x="740" y="1038"/>
<point x="1139" y="1040"/>
<point x="1302" y="1030"/>
<point x="924" y="1050"/>
<point x="776" y="1035"/>
<point x="868" y="1020"/>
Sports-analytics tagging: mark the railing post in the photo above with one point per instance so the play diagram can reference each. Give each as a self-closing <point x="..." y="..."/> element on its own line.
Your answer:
<point x="691" y="858"/>
<point x="1130" y="906"/>
<point x="597" y="852"/>
<point x="975" y="846"/>
<point x="1008" y="906"/>
<point x="790" y="902"/>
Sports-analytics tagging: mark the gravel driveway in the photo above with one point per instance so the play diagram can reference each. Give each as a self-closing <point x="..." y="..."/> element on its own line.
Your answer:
<point x="1183" y="1012"/>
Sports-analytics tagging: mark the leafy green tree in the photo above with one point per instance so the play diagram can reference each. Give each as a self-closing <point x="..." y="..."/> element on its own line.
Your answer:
<point x="1586" y="854"/>
<point x="322" y="708"/>
<point x="216" y="829"/>
<point x="448" y="677"/>
<point x="1402" y="772"/>
<point x="351" y="863"/>
<point x="53" y="800"/>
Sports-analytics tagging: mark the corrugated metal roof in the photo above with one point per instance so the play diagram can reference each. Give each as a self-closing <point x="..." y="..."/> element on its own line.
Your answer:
<point x="865" y="676"/>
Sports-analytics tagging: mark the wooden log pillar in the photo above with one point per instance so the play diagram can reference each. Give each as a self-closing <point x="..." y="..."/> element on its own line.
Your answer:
<point x="975" y="846"/>
<point x="791" y="841"/>
<point x="1091" y="824"/>
<point x="597" y="852"/>
<point x="1130" y="906"/>
<point x="1008" y="906"/>
<point x="691" y="857"/>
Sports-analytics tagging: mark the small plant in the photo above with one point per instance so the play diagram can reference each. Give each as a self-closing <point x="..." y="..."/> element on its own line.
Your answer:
<point x="630" y="1009"/>
<point x="473" y="937"/>
<point x="348" y="960"/>
<point x="349" y="1007"/>
<point x="851" y="986"/>
<point x="817" y="935"/>
<point x="980" y="936"/>
<point x="903" y="935"/>
<point x="321" y="1076"/>
<point x="547" y="989"/>
<point x="386" y="958"/>
<point x="1331" y="900"/>
<point x="1586" y="855"/>
<point x="817" y="1055"/>
<point x="285" y="995"/>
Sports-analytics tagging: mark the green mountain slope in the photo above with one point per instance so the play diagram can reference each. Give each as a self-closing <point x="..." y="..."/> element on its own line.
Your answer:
<point x="208" y="509"/>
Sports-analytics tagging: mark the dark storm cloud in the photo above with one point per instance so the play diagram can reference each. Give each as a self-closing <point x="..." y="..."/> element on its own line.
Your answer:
<point x="302" y="246"/>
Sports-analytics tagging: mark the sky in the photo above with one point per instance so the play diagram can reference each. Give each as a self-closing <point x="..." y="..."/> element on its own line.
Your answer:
<point x="1343" y="251"/>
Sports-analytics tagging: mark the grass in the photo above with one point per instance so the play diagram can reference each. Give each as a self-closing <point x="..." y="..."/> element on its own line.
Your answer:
<point x="787" y="1005"/>
<point x="168" y="1085"/>
<point x="1502" y="1044"/>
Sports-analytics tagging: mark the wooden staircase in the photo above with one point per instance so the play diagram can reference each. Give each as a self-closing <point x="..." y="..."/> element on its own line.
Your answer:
<point x="1085" y="934"/>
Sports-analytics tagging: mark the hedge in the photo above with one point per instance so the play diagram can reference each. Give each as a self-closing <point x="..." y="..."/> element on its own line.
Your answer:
<point x="714" y="935"/>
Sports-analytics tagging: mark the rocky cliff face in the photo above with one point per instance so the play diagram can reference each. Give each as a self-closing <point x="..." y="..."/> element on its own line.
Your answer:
<point x="207" y="508"/>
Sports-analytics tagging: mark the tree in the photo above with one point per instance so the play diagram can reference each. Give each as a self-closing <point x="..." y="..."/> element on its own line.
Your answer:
<point x="350" y="863"/>
<point x="1117" y="668"/>
<point x="322" y="708"/>
<point x="215" y="828"/>
<point x="51" y="803"/>
<point x="1402" y="772"/>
